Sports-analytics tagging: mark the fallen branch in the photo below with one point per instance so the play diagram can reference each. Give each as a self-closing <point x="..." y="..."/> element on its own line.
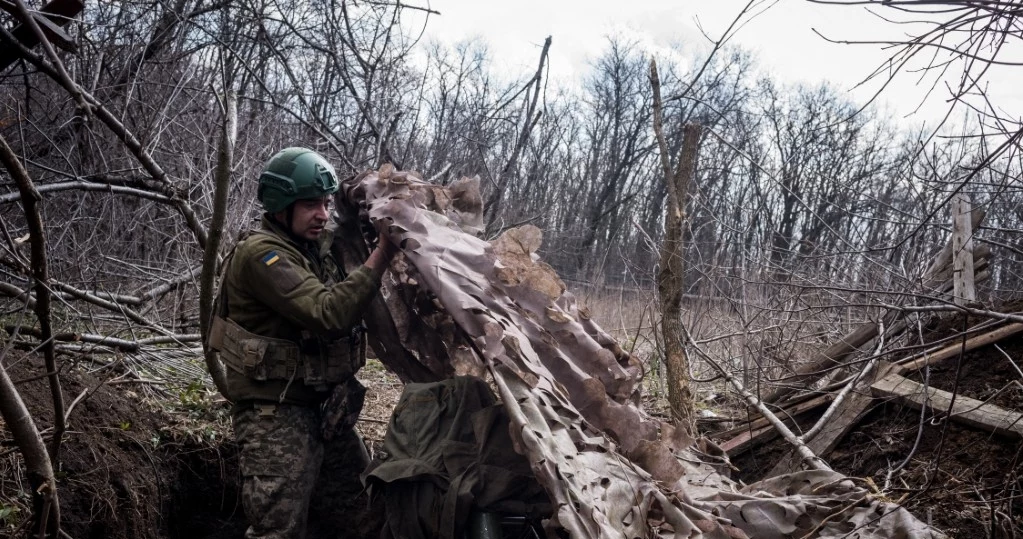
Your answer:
<point x="17" y="293"/>
<point x="109" y="305"/>
<point x="756" y="432"/>
<point x="123" y="345"/>
<point x="807" y="455"/>
<point x="160" y="290"/>
<point x="82" y="185"/>
<point x="840" y="398"/>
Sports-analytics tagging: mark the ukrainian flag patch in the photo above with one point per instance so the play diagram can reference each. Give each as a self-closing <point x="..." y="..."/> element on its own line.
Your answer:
<point x="271" y="258"/>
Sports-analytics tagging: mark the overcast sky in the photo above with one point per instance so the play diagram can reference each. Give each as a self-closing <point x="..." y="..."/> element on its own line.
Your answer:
<point x="782" y="37"/>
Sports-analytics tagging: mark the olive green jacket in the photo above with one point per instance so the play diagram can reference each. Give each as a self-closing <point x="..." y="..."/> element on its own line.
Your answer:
<point x="278" y="286"/>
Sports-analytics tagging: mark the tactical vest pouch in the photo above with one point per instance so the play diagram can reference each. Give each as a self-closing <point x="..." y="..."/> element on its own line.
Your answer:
<point x="337" y="361"/>
<point x="254" y="356"/>
<point x="265" y="358"/>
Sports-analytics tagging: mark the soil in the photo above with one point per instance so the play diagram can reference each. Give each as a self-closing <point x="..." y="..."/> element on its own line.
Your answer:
<point x="965" y="481"/>
<point x="144" y="462"/>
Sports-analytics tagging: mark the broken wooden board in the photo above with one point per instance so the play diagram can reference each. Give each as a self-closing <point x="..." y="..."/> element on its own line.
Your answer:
<point x="971" y="344"/>
<point x="748" y="439"/>
<point x="964" y="410"/>
<point x="848" y="415"/>
<point x="751" y="434"/>
<point x="937" y="279"/>
<point x="831" y="357"/>
<point x="838" y="352"/>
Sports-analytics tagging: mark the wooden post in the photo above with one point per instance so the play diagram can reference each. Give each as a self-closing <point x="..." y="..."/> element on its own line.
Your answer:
<point x="965" y="290"/>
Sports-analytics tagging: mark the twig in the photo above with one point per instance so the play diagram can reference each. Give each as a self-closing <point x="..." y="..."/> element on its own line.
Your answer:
<point x="811" y="460"/>
<point x="436" y="177"/>
<point x="82" y="185"/>
<point x="67" y="412"/>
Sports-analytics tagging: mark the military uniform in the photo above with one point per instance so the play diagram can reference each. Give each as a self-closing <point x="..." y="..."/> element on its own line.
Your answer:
<point x="285" y="332"/>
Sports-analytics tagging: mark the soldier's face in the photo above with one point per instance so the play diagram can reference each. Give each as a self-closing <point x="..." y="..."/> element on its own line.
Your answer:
<point x="309" y="217"/>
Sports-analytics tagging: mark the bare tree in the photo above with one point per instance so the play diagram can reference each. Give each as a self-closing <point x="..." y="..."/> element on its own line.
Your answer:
<point x="41" y="461"/>
<point x="669" y="280"/>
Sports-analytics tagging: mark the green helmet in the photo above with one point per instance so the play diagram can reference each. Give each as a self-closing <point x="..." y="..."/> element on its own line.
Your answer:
<point x="295" y="174"/>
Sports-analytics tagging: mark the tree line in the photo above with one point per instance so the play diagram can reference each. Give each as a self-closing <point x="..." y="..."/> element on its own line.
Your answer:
<point x="801" y="199"/>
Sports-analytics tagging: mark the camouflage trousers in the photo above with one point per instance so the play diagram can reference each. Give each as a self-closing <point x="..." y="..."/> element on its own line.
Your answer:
<point x="295" y="485"/>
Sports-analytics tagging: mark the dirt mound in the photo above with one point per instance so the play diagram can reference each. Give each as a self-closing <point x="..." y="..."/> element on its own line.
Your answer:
<point x="966" y="481"/>
<point x="129" y="469"/>
<point x="137" y="465"/>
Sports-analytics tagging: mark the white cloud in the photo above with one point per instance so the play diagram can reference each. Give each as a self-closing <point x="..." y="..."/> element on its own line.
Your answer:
<point x="782" y="36"/>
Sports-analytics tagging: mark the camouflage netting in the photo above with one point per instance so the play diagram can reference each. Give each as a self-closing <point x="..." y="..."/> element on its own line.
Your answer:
<point x="572" y="392"/>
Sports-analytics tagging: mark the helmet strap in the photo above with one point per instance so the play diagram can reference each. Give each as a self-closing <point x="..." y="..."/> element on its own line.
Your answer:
<point x="289" y="216"/>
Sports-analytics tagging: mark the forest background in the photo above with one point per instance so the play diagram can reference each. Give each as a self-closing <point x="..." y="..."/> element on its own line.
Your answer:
<point x="808" y="214"/>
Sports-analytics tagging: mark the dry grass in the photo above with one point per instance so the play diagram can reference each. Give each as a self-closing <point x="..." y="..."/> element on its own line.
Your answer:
<point x="758" y="340"/>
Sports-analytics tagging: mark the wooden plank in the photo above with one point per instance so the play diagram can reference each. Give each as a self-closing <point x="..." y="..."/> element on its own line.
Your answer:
<point x="756" y="421"/>
<point x="971" y="344"/>
<point x="760" y="431"/>
<point x="964" y="289"/>
<point x="946" y="286"/>
<point x="847" y="416"/>
<point x="748" y="440"/>
<point x="852" y="409"/>
<point x="965" y="410"/>
<point x="830" y="357"/>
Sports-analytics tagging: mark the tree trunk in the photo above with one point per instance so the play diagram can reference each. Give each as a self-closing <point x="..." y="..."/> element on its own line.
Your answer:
<point x="23" y="429"/>
<point x="222" y="182"/>
<point x="670" y="283"/>
<point x="670" y="286"/>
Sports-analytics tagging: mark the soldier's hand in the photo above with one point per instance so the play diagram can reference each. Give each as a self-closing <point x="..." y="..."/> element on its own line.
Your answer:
<point x="387" y="246"/>
<point x="381" y="256"/>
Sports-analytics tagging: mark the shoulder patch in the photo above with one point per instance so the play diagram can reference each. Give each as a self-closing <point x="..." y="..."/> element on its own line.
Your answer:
<point x="284" y="276"/>
<point x="270" y="258"/>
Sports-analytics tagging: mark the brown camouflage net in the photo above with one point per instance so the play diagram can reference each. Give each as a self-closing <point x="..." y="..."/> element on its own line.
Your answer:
<point x="611" y="470"/>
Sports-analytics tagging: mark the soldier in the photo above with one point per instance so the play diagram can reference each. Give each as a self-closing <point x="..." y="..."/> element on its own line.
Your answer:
<point x="287" y="328"/>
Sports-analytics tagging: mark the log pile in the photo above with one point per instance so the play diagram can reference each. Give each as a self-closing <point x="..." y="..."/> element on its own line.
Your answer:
<point x="861" y="350"/>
